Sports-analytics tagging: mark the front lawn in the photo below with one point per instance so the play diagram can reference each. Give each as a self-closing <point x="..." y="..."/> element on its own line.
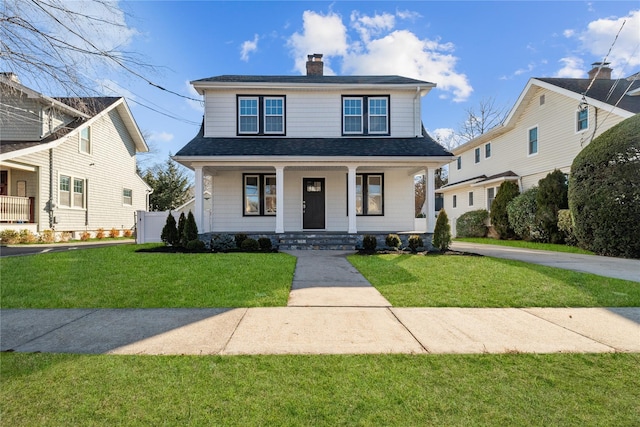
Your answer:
<point x="524" y="244"/>
<point x="381" y="390"/>
<point x="475" y="281"/>
<point x="121" y="277"/>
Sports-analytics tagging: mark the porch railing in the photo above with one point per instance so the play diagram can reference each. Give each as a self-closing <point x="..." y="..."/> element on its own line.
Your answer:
<point x="16" y="209"/>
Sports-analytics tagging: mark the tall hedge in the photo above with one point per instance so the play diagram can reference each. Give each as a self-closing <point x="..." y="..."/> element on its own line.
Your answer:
<point x="522" y="212"/>
<point x="604" y="192"/>
<point x="499" y="218"/>
<point x="472" y="224"/>
<point x="551" y="197"/>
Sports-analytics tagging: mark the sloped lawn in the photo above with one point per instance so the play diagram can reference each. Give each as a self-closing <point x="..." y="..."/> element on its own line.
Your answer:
<point x="123" y="277"/>
<point x="475" y="281"/>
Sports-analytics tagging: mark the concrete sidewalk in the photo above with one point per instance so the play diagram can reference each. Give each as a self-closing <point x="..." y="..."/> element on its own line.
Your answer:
<point x="321" y="330"/>
<point x="619" y="268"/>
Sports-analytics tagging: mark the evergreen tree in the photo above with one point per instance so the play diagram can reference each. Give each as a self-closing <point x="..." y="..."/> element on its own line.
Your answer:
<point x="170" y="186"/>
<point x="551" y="197"/>
<point x="442" y="232"/>
<point x="169" y="233"/>
<point x="181" y="221"/>
<point x="499" y="218"/>
<point x="190" y="231"/>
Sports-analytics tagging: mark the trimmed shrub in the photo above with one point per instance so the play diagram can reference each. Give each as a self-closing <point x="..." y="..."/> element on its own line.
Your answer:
<point x="250" y="245"/>
<point x="565" y="226"/>
<point x="195" y="245"/>
<point x="442" y="232"/>
<point x="369" y="242"/>
<point x="499" y="218"/>
<point x="127" y="233"/>
<point x="85" y="236"/>
<point x="240" y="237"/>
<point x="47" y="236"/>
<point x="604" y="192"/>
<point x="181" y="222"/>
<point x="190" y="231"/>
<point x="265" y="243"/>
<point x="222" y="243"/>
<point x="551" y="197"/>
<point x="113" y="233"/>
<point x="415" y="242"/>
<point x="9" y="236"/>
<point x="393" y="241"/>
<point x="65" y="236"/>
<point x="169" y="233"/>
<point x="100" y="234"/>
<point x="522" y="216"/>
<point x="472" y="224"/>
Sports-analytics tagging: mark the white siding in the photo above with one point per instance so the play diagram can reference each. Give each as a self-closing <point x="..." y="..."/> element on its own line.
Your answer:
<point x="19" y="118"/>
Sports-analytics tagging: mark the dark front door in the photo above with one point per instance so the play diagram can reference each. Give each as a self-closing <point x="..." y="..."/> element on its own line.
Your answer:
<point x="313" y="203"/>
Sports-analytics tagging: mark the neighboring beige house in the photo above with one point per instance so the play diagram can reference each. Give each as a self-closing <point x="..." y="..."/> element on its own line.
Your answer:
<point x="67" y="164"/>
<point x="552" y="120"/>
<point x="312" y="155"/>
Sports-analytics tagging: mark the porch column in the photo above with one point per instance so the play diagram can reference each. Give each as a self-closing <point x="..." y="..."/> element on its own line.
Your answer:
<point x="351" y="196"/>
<point x="431" y="199"/>
<point x="279" y="199"/>
<point x="198" y="196"/>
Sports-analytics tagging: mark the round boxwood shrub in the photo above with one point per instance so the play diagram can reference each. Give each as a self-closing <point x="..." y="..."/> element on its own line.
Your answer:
<point x="250" y="245"/>
<point x="195" y="245"/>
<point x="393" y="241"/>
<point x="604" y="192"/>
<point x="415" y="242"/>
<point x="522" y="212"/>
<point x="264" y="243"/>
<point x="240" y="237"/>
<point x="369" y="242"/>
<point x="442" y="232"/>
<point x="499" y="218"/>
<point x="472" y="224"/>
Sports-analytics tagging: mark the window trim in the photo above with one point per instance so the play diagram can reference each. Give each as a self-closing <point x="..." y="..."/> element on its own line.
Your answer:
<point x="370" y="115"/>
<point x="88" y="139"/>
<point x="261" y="115"/>
<point x="529" y="141"/>
<point x="365" y="118"/>
<point x="364" y="177"/>
<point x="470" y="198"/>
<point x="262" y="196"/>
<point x="72" y="186"/>
<point x="124" y="197"/>
<point x="578" y="120"/>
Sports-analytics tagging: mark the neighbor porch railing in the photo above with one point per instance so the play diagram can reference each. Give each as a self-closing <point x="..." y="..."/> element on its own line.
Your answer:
<point x="16" y="209"/>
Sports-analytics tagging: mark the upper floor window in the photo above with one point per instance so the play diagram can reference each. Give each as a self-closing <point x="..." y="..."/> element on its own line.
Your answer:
<point x="477" y="155"/>
<point x="459" y="163"/>
<point x="85" y="140"/>
<point x="487" y="150"/>
<point x="455" y="201"/>
<point x="365" y="115"/>
<point x="533" y="140"/>
<point x="261" y="115"/>
<point x="582" y="117"/>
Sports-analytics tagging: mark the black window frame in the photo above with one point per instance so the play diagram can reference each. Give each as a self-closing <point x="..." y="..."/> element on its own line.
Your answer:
<point x="261" y="194"/>
<point x="365" y="193"/>
<point x="261" y="115"/>
<point x="365" y="115"/>
<point x="476" y="155"/>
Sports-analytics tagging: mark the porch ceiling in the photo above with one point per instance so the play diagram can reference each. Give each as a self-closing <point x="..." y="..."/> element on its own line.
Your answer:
<point x="213" y="170"/>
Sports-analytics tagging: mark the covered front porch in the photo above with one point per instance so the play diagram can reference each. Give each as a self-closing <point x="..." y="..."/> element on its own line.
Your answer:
<point x="18" y="192"/>
<point x="281" y="197"/>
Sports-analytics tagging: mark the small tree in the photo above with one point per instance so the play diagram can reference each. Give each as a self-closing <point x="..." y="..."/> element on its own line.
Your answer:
<point x="190" y="231"/>
<point x="181" y="221"/>
<point x="499" y="218"/>
<point x="551" y="197"/>
<point x="442" y="232"/>
<point x="169" y="233"/>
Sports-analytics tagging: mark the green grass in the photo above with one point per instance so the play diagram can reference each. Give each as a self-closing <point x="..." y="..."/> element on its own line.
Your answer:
<point x="474" y="281"/>
<point x="389" y="390"/>
<point x="526" y="245"/>
<point x="120" y="277"/>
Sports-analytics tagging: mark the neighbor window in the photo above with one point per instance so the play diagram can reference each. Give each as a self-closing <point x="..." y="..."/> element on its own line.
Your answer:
<point x="470" y="198"/>
<point x="491" y="195"/>
<point x="477" y="154"/>
<point x="459" y="163"/>
<point x="369" y="194"/>
<point x="260" y="115"/>
<point x="85" y="140"/>
<point x="582" y="119"/>
<point x="259" y="195"/>
<point x="487" y="150"/>
<point x="71" y="192"/>
<point x="533" y="140"/>
<point x="127" y="196"/>
<point x="455" y="201"/>
<point x="365" y="115"/>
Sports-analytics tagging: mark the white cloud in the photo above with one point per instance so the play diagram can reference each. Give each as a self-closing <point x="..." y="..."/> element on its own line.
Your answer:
<point x="196" y="105"/>
<point x="568" y="33"/>
<point x="155" y="136"/>
<point x="573" y="68"/>
<point x="376" y="48"/>
<point x="600" y="34"/>
<point x="248" y="47"/>
<point x="408" y="14"/>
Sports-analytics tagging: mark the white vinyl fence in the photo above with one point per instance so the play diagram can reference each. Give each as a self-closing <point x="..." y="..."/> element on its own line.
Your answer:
<point x="150" y="225"/>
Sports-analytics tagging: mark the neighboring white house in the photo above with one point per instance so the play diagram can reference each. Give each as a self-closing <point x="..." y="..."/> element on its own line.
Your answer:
<point x="67" y="164"/>
<point x="312" y="153"/>
<point x="552" y="120"/>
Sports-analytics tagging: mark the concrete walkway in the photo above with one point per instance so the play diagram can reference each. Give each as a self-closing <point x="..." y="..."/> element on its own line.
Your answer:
<point x="619" y="268"/>
<point x="332" y="310"/>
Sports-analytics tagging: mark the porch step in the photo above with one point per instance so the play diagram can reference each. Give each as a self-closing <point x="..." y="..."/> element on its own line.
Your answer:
<point x="300" y="241"/>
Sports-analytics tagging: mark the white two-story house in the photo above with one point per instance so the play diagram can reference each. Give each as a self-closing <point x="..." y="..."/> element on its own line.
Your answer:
<point x="312" y="154"/>
<point x="67" y="164"/>
<point x="552" y="120"/>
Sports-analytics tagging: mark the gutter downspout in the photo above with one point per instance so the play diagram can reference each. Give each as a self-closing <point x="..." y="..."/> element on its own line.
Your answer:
<point x="50" y="202"/>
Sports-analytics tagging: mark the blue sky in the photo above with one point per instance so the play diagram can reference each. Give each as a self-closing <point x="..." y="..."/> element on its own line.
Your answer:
<point x="471" y="50"/>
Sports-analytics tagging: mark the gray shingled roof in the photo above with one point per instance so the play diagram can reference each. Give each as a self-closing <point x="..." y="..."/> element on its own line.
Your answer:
<point x="312" y="147"/>
<point x="368" y="80"/>
<point x="601" y="90"/>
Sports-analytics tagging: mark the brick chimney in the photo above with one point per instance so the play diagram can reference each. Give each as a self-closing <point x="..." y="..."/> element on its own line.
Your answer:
<point x="315" y="65"/>
<point x="605" y="71"/>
